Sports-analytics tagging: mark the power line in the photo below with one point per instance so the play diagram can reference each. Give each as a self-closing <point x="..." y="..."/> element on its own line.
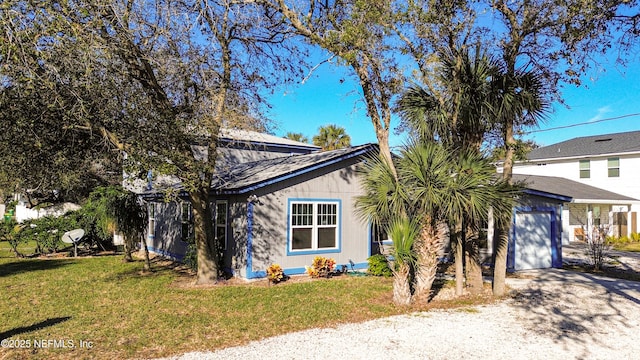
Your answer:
<point x="581" y="124"/>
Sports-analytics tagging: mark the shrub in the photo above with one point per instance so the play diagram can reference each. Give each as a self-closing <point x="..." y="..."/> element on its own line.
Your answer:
<point x="275" y="273"/>
<point x="597" y="247"/>
<point x="46" y="232"/>
<point x="321" y="267"/>
<point x="10" y="232"/>
<point x="191" y="256"/>
<point x="379" y="266"/>
<point x="635" y="237"/>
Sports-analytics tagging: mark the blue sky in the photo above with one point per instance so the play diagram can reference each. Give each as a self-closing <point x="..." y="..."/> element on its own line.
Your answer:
<point x="330" y="96"/>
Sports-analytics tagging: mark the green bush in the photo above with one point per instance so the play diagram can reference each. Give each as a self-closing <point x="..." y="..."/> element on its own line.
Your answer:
<point x="635" y="237"/>
<point x="379" y="266"/>
<point x="10" y="232"/>
<point x="47" y="231"/>
<point x="191" y="256"/>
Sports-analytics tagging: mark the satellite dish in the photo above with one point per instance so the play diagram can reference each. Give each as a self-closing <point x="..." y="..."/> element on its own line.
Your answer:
<point x="73" y="237"/>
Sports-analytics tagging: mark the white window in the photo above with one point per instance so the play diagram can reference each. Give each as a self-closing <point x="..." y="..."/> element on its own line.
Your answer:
<point x="152" y="219"/>
<point x="313" y="225"/>
<point x="221" y="223"/>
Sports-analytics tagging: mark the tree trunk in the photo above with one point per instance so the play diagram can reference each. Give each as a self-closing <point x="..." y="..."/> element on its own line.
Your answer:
<point x="147" y="261"/>
<point x="401" y="286"/>
<point x="459" y="262"/>
<point x="474" y="267"/>
<point x="204" y="238"/>
<point x="127" y="249"/>
<point x="500" y="262"/>
<point x="429" y="248"/>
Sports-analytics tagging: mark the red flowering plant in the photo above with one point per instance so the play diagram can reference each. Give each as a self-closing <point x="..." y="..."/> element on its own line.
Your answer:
<point x="321" y="267"/>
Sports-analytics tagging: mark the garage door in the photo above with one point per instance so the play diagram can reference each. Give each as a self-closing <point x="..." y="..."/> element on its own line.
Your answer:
<point x="532" y="240"/>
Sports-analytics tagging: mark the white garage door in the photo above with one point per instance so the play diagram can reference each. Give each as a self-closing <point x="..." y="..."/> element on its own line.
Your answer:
<point x="532" y="240"/>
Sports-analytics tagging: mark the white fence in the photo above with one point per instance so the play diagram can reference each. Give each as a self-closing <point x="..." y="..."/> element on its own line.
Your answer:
<point x="24" y="213"/>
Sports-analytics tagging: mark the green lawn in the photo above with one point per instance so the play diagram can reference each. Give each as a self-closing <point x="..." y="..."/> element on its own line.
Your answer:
<point x="633" y="247"/>
<point x="124" y="313"/>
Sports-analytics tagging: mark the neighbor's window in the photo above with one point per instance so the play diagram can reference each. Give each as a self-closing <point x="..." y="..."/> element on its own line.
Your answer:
<point x="186" y="220"/>
<point x="585" y="169"/>
<point x="221" y="222"/>
<point x="152" y="219"/>
<point x="613" y="164"/>
<point x="313" y="225"/>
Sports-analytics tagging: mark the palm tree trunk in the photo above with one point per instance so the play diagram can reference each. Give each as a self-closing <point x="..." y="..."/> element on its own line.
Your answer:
<point x="458" y="254"/>
<point x="474" y="268"/>
<point x="500" y="259"/>
<point x="429" y="248"/>
<point x="401" y="286"/>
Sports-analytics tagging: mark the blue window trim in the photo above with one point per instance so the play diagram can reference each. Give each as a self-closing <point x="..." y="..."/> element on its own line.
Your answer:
<point x="556" y="246"/>
<point x="338" y="249"/>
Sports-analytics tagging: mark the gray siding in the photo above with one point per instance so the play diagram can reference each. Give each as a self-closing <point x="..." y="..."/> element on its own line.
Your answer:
<point x="167" y="240"/>
<point x="270" y="222"/>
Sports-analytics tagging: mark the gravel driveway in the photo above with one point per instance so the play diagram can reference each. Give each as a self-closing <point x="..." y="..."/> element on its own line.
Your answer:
<point x="552" y="314"/>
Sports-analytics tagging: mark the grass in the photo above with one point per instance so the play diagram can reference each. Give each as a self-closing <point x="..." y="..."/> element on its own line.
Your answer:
<point x="632" y="247"/>
<point x="125" y="313"/>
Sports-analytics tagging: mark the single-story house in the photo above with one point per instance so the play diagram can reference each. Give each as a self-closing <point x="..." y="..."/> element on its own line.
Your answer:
<point x="276" y="201"/>
<point x="285" y="202"/>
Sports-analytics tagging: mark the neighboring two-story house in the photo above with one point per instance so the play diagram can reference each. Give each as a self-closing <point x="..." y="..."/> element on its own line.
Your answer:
<point x="608" y="163"/>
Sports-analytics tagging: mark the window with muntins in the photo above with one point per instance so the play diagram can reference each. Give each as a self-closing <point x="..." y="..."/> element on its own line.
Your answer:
<point x="585" y="169"/>
<point x="152" y="219"/>
<point x="313" y="225"/>
<point x="186" y="222"/>
<point x="613" y="166"/>
<point x="221" y="223"/>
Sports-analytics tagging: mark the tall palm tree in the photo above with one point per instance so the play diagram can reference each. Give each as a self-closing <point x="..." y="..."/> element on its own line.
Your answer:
<point x="296" y="137"/>
<point x="332" y="137"/>
<point x="456" y="114"/>
<point x="519" y="99"/>
<point x="456" y="111"/>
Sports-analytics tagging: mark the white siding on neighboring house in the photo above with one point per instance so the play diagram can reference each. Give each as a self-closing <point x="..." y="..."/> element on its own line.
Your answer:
<point x="600" y="172"/>
<point x="628" y="183"/>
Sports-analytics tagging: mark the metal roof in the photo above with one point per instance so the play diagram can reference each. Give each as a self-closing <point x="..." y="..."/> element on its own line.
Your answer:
<point x="565" y="187"/>
<point x="237" y="135"/>
<point x="618" y="143"/>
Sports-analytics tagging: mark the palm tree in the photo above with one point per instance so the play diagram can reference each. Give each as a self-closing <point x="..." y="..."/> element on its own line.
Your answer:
<point x="475" y="96"/>
<point x="456" y="114"/>
<point x="403" y="232"/>
<point x="435" y="186"/>
<point x="332" y="137"/>
<point x="518" y="99"/>
<point x="446" y="187"/>
<point x="296" y="137"/>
